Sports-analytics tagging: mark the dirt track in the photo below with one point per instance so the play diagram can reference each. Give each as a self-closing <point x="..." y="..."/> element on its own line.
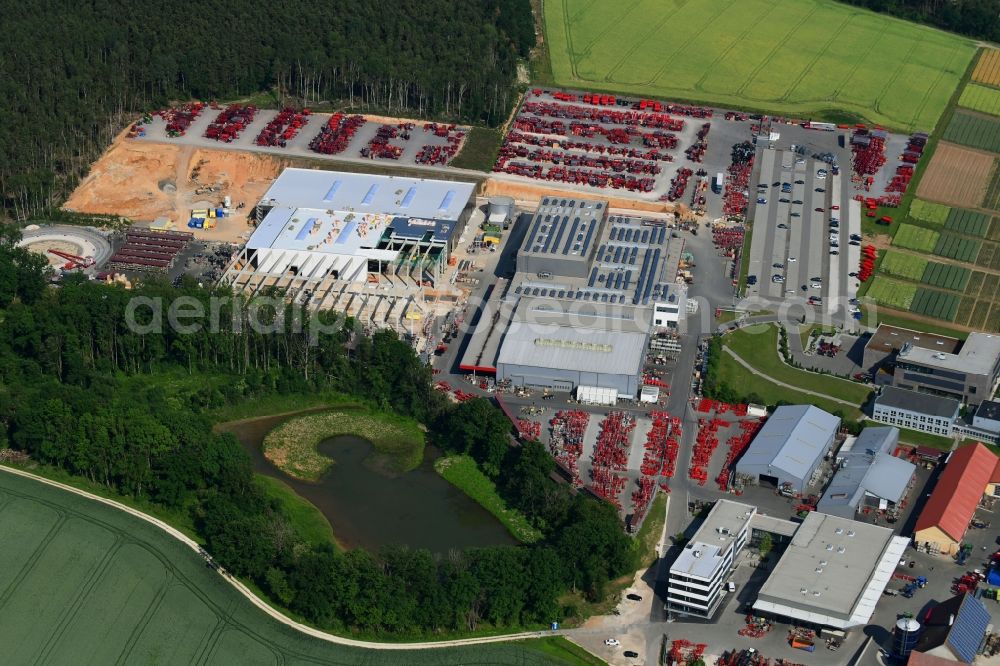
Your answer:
<point x="144" y="181"/>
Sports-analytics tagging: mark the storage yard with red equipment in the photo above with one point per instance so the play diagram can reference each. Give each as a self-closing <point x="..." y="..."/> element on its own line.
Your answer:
<point x="298" y="132"/>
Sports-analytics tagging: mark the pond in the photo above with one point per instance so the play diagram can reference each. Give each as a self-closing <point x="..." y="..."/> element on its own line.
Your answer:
<point x="370" y="508"/>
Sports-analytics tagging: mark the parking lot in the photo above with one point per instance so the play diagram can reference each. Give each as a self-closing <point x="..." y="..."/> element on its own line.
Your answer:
<point x="410" y="148"/>
<point x="806" y="240"/>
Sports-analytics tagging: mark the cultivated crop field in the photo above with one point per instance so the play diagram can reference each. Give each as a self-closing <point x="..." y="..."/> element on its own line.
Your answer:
<point x="981" y="98"/>
<point x="916" y="238"/>
<point x="85" y="583"/>
<point x="956" y="176"/>
<point x="946" y="276"/>
<point x="800" y="59"/>
<point x="938" y="304"/>
<point x="967" y="222"/>
<point x="929" y="212"/>
<point x="957" y="248"/>
<point x="988" y="68"/>
<point x="968" y="129"/>
<point x="892" y="294"/>
<point x="904" y="265"/>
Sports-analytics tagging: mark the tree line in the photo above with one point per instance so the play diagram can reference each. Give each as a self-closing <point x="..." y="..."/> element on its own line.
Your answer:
<point x="80" y="390"/>
<point x="975" y="18"/>
<point x="72" y="74"/>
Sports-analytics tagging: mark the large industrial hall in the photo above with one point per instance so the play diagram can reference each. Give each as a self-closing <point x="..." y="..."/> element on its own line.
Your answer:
<point x="324" y="236"/>
<point x="589" y="290"/>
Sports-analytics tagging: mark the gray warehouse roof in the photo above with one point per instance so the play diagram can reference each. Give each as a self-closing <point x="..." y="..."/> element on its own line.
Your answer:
<point x="792" y="440"/>
<point x="915" y="401"/>
<point x="868" y="467"/>
<point x="833" y="572"/>
<point x="366" y="193"/>
<point x="570" y="348"/>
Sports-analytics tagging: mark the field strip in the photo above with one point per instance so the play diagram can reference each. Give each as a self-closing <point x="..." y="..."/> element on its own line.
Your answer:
<point x="850" y="74"/>
<point x="26" y="569"/>
<point x="895" y="75"/>
<point x="683" y="47"/>
<point x="639" y="43"/>
<point x="82" y="593"/>
<point x="260" y="603"/>
<point x="611" y="24"/>
<point x="812" y="63"/>
<point x="710" y="70"/>
<point x="770" y="55"/>
<point x="927" y="96"/>
<point x="150" y="611"/>
<point x="211" y="640"/>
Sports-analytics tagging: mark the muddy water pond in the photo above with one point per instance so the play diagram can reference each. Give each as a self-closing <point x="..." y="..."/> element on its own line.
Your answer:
<point x="371" y="508"/>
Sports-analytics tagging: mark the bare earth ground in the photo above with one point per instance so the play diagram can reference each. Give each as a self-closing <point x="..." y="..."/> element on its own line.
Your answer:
<point x="524" y="192"/>
<point x="144" y="181"/>
<point x="956" y="176"/>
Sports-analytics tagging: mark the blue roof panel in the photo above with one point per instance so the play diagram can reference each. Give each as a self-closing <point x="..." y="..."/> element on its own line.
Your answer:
<point x="967" y="633"/>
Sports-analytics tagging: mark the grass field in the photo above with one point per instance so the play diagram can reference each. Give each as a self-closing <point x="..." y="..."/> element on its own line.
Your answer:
<point x="479" y="151"/>
<point x="904" y="265"/>
<point x="307" y="520"/>
<point x="462" y="472"/>
<point x="892" y="294"/>
<point x="927" y="211"/>
<point x="981" y="98"/>
<point x="968" y="129"/>
<point x="812" y="58"/>
<point x="85" y="583"/>
<point x="398" y="442"/>
<point x="757" y="345"/>
<point x="916" y="238"/>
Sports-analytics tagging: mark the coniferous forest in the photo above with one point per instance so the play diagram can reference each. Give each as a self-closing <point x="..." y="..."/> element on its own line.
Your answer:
<point x="72" y="74"/>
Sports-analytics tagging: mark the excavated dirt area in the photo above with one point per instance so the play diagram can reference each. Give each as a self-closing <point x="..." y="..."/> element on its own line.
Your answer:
<point x="144" y="181"/>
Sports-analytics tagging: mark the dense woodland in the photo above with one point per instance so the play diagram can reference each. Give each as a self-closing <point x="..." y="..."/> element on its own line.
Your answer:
<point x="975" y="18"/>
<point x="73" y="73"/>
<point x="80" y="391"/>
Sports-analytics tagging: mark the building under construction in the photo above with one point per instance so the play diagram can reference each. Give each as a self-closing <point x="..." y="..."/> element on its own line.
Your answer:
<point x="358" y="243"/>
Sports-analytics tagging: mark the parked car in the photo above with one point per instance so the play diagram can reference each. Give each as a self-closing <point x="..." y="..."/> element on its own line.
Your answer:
<point x="634" y="597"/>
<point x="631" y="654"/>
<point x="782" y="226"/>
<point x="613" y="642"/>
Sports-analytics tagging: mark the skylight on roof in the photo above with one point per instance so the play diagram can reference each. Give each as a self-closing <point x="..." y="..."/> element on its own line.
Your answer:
<point x="332" y="191"/>
<point x="408" y="199"/>
<point x="448" y="198"/>
<point x="370" y="196"/>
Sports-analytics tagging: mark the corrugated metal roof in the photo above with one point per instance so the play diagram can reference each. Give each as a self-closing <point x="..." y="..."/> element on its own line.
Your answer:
<point x="792" y="440"/>
<point x="970" y="626"/>
<point x="959" y="488"/>
<point x="569" y="348"/>
<point x="868" y="467"/>
<point x="914" y="401"/>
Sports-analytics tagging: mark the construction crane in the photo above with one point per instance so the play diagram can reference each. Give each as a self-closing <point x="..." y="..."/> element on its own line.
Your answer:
<point x="73" y="261"/>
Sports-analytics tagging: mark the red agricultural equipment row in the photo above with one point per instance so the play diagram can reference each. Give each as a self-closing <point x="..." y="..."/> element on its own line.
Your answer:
<point x="179" y="118"/>
<point x="734" y="198"/>
<point x="283" y="127"/>
<point x="684" y="651"/>
<point x="696" y="151"/>
<point x="656" y="444"/>
<point x="737" y="445"/>
<point x="659" y="139"/>
<point x="611" y="449"/>
<point x="705" y="444"/>
<point x="443" y="386"/>
<point x="578" y="177"/>
<point x="729" y="240"/>
<point x="641" y="105"/>
<point x="528" y="430"/>
<point x="230" y="122"/>
<point x="607" y="484"/>
<point x="512" y="142"/>
<point x="678" y="184"/>
<point x="616" y="164"/>
<point x="432" y="154"/>
<point x="463" y="396"/>
<point x="566" y="440"/>
<point x="869" y="150"/>
<point x="901" y="180"/>
<point x="605" y="116"/>
<point x="868" y="256"/>
<point x="379" y="146"/>
<point x="641" y="497"/>
<point x="336" y="135"/>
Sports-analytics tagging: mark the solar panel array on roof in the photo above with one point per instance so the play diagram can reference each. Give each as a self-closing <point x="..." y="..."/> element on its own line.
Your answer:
<point x="970" y="627"/>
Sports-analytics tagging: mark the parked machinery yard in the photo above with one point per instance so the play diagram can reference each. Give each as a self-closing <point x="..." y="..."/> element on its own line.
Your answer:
<point x="300" y="132"/>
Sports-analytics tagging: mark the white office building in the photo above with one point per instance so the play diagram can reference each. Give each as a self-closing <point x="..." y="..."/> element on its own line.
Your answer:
<point x="698" y="576"/>
<point x="916" y="411"/>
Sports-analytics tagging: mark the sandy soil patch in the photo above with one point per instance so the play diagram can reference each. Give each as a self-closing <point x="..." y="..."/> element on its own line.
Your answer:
<point x="145" y="180"/>
<point x="956" y="176"/>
